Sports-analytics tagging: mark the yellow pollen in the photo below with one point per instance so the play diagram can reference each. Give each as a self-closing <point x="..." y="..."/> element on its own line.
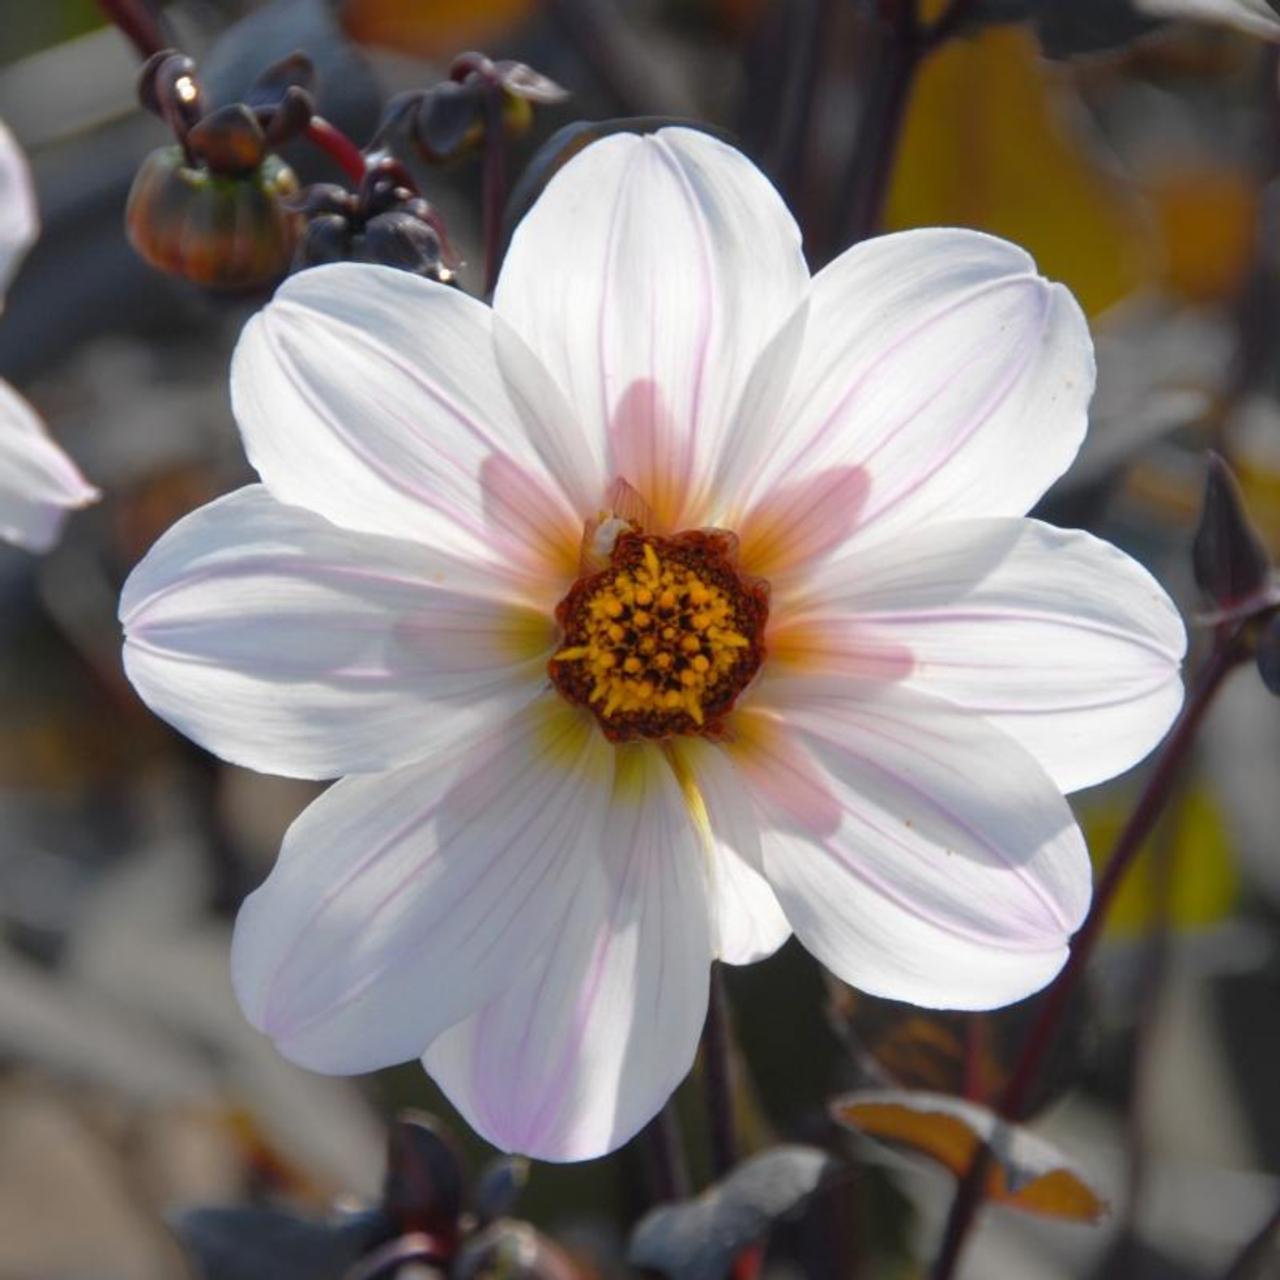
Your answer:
<point x="664" y="639"/>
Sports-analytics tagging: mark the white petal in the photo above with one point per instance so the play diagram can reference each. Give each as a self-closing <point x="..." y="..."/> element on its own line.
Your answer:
<point x="1254" y="16"/>
<point x="648" y="277"/>
<point x="283" y="643"/>
<point x="747" y="924"/>
<point x="942" y="365"/>
<point x="1057" y="637"/>
<point x="918" y="852"/>
<point x="404" y="901"/>
<point x="39" y="484"/>
<point x="376" y="399"/>
<point x="588" y="1043"/>
<point x="19" y="217"/>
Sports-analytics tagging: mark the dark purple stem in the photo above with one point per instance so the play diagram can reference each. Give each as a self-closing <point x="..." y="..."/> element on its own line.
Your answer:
<point x="495" y="185"/>
<point x="667" y="1171"/>
<point x="138" y="23"/>
<point x="717" y="1069"/>
<point x="1226" y="653"/>
<point x="335" y="144"/>
<point x="951" y="21"/>
<point x="865" y="186"/>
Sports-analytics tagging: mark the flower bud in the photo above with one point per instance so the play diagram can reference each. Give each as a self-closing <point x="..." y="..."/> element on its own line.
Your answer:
<point x="1229" y="557"/>
<point x="223" y="230"/>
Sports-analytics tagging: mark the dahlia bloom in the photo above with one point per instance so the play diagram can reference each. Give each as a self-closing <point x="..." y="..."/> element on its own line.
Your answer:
<point x="39" y="484"/>
<point x="674" y="603"/>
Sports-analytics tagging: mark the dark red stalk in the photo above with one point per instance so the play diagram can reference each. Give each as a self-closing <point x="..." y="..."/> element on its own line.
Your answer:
<point x="335" y="144"/>
<point x="495" y="185"/>
<point x="717" y="1070"/>
<point x="137" y="23"/>
<point x="1226" y="653"/>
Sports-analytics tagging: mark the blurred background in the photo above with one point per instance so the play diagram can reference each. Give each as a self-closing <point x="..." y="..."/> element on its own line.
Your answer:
<point x="1137" y="161"/>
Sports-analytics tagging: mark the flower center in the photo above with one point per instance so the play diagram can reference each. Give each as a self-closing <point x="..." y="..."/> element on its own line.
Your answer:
<point x="664" y="639"/>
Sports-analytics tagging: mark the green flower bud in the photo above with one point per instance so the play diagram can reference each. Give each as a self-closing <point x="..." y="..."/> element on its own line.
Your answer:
<point x="223" y="231"/>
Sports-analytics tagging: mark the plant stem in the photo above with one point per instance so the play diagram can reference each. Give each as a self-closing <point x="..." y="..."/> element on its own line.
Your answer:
<point x="1226" y="653"/>
<point x="865" y="185"/>
<point x="137" y="23"/>
<point x="717" y="1070"/>
<point x="950" y="22"/>
<point x="667" y="1170"/>
<point x="335" y="144"/>
<point x="495" y="186"/>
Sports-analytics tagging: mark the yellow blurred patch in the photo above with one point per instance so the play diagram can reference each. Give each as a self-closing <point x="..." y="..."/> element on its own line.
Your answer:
<point x="1203" y="879"/>
<point x="432" y="28"/>
<point x="987" y="146"/>
<point x="1208" y="217"/>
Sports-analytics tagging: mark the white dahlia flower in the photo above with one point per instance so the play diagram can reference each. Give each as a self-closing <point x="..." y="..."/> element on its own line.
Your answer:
<point x="676" y="603"/>
<point x="39" y="484"/>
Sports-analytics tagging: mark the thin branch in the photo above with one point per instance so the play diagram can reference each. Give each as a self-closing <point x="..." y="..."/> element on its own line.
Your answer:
<point x="717" y="1068"/>
<point x="1227" y="652"/>
<point x="138" y="23"/>
<point x="335" y="144"/>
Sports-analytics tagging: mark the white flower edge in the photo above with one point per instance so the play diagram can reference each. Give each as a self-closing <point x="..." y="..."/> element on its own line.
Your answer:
<point x="19" y="217"/>
<point x="39" y="484"/>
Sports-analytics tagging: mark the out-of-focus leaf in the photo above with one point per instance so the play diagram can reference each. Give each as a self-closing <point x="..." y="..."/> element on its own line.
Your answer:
<point x="499" y="1187"/>
<point x="1071" y="27"/>
<point x="1230" y="559"/>
<point x="951" y="1053"/>
<point x="424" y="1182"/>
<point x="1203" y="879"/>
<point x="989" y="144"/>
<point x="435" y="30"/>
<point x="566" y="142"/>
<point x="507" y="1250"/>
<point x="237" y="1243"/>
<point x="1026" y="1172"/>
<point x="699" y="1239"/>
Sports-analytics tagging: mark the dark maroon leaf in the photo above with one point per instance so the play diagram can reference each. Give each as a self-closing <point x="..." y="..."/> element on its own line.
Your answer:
<point x="422" y="1190"/>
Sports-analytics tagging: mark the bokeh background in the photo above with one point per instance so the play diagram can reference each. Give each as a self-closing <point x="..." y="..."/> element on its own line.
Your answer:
<point x="1139" y="165"/>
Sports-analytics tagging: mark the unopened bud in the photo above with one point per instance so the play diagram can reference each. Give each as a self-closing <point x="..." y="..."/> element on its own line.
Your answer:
<point x="1229" y="557"/>
<point x="220" y="230"/>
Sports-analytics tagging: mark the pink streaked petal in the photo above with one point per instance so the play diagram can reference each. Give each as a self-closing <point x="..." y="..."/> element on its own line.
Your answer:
<point x="588" y="1042"/>
<point x="953" y="874"/>
<point x="942" y="364"/>
<point x="666" y="259"/>
<point x="375" y="398"/>
<point x="39" y="484"/>
<point x="529" y="522"/>
<point x="404" y="901"/>
<point x="747" y="924"/>
<point x="19" y="217"/>
<point x="283" y="643"/>
<point x="1058" y="638"/>
<point x="799" y="523"/>
<point x="650" y="455"/>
